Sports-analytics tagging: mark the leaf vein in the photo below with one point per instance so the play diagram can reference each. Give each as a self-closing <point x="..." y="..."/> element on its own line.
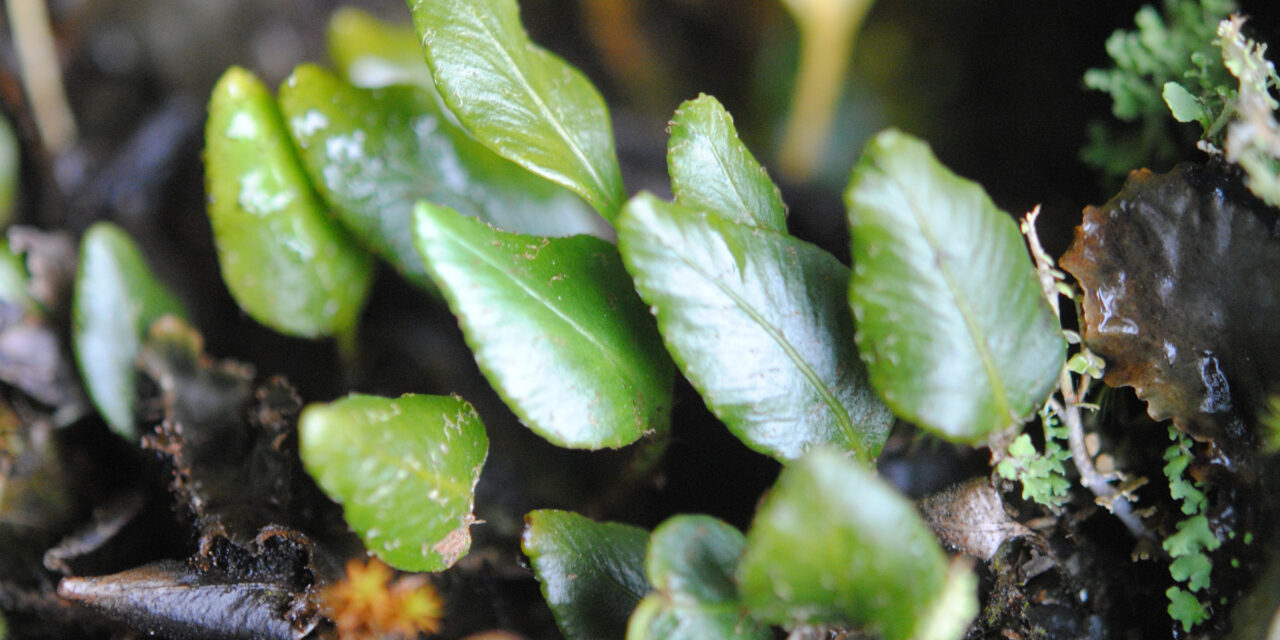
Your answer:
<point x="837" y="409"/>
<point x="976" y="334"/>
<point x="560" y="129"/>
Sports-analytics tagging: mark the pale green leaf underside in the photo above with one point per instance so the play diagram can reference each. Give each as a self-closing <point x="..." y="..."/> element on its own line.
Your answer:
<point x="519" y="99"/>
<point x="373" y="153"/>
<point x="555" y="326"/>
<point x="116" y="300"/>
<point x="370" y="53"/>
<point x="591" y="573"/>
<point x="404" y="470"/>
<point x="713" y="171"/>
<point x="952" y="322"/>
<point x="757" y="322"/>
<point x="833" y="543"/>
<point x="287" y="263"/>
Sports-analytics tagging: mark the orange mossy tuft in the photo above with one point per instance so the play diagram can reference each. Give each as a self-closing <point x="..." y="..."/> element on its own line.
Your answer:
<point x="371" y="602"/>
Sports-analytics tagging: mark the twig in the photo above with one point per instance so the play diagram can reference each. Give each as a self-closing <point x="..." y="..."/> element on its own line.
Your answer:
<point x="41" y="73"/>
<point x="1073" y="395"/>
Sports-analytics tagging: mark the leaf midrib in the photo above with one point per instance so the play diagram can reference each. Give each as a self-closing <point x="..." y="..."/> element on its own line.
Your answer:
<point x="619" y="362"/>
<point x="972" y="326"/>
<point x="837" y="409"/>
<point x="722" y="165"/>
<point x="517" y="72"/>
<point x="448" y="482"/>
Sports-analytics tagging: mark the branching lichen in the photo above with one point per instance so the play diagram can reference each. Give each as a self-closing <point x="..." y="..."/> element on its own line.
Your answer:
<point x="1253" y="137"/>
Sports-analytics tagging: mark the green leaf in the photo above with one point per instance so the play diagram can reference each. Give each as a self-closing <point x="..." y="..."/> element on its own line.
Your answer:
<point x="519" y="99"/>
<point x="1193" y="536"/>
<point x="757" y="322"/>
<point x="591" y="573"/>
<point x="1193" y="569"/>
<point x="404" y="470"/>
<point x="713" y="171"/>
<point x="952" y="322"/>
<point x="116" y="299"/>
<point x="286" y="262"/>
<point x="833" y="543"/>
<point x="1185" y="608"/>
<point x="373" y="153"/>
<point x="1184" y="106"/>
<point x="556" y="327"/>
<point x="370" y="53"/>
<point x="690" y="562"/>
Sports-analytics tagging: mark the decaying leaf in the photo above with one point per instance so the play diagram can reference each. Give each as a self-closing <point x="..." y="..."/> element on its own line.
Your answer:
<point x="258" y="592"/>
<point x="970" y="518"/>
<point x="1181" y="274"/>
<point x="33" y="357"/>
<point x="267" y="540"/>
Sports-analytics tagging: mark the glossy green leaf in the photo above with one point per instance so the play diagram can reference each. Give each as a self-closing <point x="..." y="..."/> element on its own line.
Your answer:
<point x="713" y="171"/>
<point x="115" y="301"/>
<point x="404" y="470"/>
<point x="373" y="153"/>
<point x="757" y="322"/>
<point x="519" y="99"/>
<point x="833" y="543"/>
<point x="952" y="322"/>
<point x="556" y="327"/>
<point x="591" y="573"/>
<point x="370" y="53"/>
<point x="690" y="562"/>
<point x="287" y="263"/>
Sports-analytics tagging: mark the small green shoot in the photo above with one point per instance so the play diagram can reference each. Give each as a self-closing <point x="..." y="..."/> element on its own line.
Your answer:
<point x="1191" y="565"/>
<point x="1043" y="475"/>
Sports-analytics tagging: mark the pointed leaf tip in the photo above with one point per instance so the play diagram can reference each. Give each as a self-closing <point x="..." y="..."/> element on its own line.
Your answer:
<point x="591" y="573"/>
<point x="757" y="322"/>
<point x="713" y="171"/>
<point x="591" y="371"/>
<point x="519" y="99"/>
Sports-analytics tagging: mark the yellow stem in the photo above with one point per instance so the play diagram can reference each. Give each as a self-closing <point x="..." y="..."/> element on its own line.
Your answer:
<point x="828" y="29"/>
<point x="41" y="73"/>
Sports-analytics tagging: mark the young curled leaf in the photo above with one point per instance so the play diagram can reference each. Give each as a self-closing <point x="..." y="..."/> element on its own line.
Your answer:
<point x="690" y="562"/>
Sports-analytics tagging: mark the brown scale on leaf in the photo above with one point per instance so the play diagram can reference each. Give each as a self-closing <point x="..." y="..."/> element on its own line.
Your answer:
<point x="1181" y="278"/>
